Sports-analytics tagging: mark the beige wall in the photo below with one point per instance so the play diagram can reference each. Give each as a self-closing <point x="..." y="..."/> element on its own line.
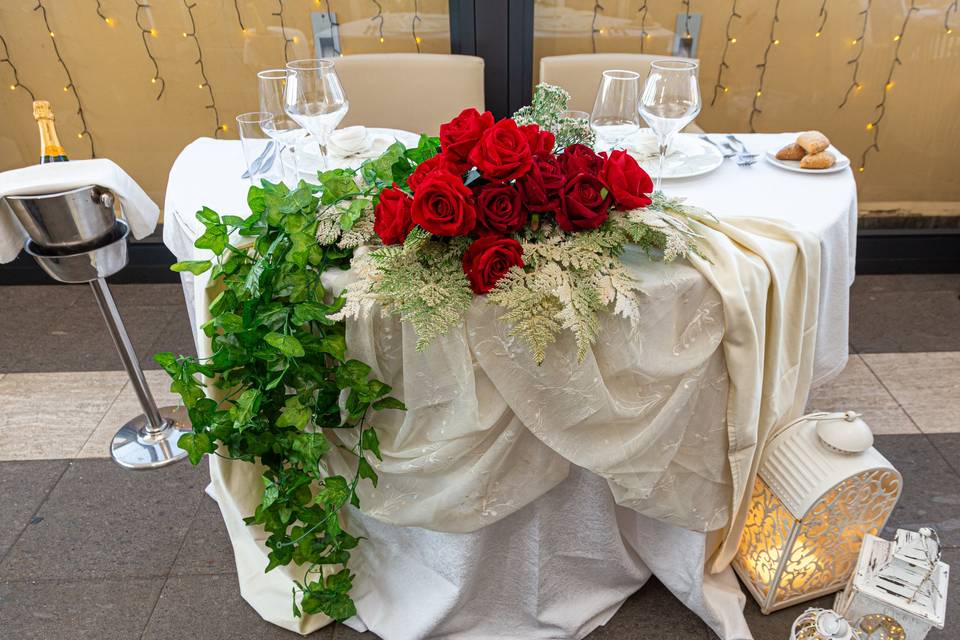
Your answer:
<point x="805" y="82"/>
<point x="112" y="71"/>
<point x="807" y="76"/>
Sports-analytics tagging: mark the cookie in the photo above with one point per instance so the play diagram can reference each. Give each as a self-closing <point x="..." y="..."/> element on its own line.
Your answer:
<point x="813" y="141"/>
<point x="792" y="151"/>
<point x="822" y="160"/>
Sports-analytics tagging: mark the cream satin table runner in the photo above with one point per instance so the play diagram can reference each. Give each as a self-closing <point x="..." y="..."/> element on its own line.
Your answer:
<point x="537" y="499"/>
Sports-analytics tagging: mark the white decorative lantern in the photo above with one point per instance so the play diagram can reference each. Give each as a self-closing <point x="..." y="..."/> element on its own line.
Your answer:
<point x="904" y="580"/>
<point x="823" y="624"/>
<point x="820" y="489"/>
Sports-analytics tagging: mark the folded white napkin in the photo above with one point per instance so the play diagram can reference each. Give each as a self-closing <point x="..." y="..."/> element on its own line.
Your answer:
<point x="643" y="146"/>
<point x="356" y="142"/>
<point x="139" y="210"/>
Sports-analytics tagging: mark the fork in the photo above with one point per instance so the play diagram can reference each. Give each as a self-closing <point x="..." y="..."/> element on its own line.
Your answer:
<point x="744" y="157"/>
<point x="724" y="153"/>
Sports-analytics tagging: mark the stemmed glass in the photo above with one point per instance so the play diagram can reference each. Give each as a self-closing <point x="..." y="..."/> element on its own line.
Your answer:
<point x="281" y="127"/>
<point x="614" y="114"/>
<point x="670" y="101"/>
<point x="315" y="98"/>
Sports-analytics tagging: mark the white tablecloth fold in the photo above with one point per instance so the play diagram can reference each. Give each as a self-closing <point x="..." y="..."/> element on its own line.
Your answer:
<point x="138" y="209"/>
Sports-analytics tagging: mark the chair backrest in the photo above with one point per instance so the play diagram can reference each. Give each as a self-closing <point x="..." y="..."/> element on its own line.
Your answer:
<point x="580" y="74"/>
<point x="412" y="91"/>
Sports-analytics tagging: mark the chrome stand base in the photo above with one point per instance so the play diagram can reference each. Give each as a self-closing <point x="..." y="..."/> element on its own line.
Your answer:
<point x="136" y="447"/>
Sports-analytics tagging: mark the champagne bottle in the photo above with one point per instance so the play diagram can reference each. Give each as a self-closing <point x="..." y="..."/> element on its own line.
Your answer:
<point x="50" y="148"/>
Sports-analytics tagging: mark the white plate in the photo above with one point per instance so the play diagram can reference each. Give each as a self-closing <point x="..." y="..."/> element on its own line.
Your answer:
<point x="687" y="157"/>
<point x="308" y="157"/>
<point x="794" y="165"/>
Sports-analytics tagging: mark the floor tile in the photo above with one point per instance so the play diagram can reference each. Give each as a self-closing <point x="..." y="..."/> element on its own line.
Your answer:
<point x="210" y="608"/>
<point x="207" y="548"/>
<point x="905" y="313"/>
<point x="343" y="632"/>
<point x="653" y="612"/>
<point x="175" y="336"/>
<point x="78" y="610"/>
<point x="51" y="415"/>
<point x="125" y="407"/>
<point x="102" y="521"/>
<point x="948" y="444"/>
<point x="926" y="385"/>
<point x="931" y="488"/>
<point x="150" y="295"/>
<point x="858" y="389"/>
<point x="23" y="486"/>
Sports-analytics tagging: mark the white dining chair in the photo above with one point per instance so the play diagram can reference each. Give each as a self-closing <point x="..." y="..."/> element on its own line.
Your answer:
<point x="411" y="91"/>
<point x="580" y="75"/>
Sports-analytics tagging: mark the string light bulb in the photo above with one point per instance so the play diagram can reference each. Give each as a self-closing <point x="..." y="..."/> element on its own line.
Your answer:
<point x="726" y="89"/>
<point x="184" y="34"/>
<point x="896" y="38"/>
<point x="869" y="126"/>
<point x="861" y="169"/>
<point x="817" y="34"/>
<point x="153" y="81"/>
<point x="889" y="85"/>
<point x="153" y="32"/>
<point x="80" y="135"/>
<point x="109" y="21"/>
<point x="13" y="87"/>
<point x="759" y="93"/>
<point x="66" y="88"/>
<point x="51" y="34"/>
<point x="381" y="39"/>
<point x="776" y="41"/>
<point x="733" y="41"/>
<point x="296" y="39"/>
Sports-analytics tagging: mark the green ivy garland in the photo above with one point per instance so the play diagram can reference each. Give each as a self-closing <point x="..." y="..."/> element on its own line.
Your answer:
<point x="280" y="363"/>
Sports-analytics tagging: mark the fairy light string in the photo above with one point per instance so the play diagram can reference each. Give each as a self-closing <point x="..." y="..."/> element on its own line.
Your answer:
<point x="204" y="81"/>
<point x="718" y="86"/>
<point x="13" y="69"/>
<point x="146" y="31"/>
<point x="881" y="108"/>
<point x="70" y="87"/>
<point x="236" y="9"/>
<point x="378" y="19"/>
<point x="413" y="24"/>
<point x="283" y="32"/>
<point x="953" y="7"/>
<point x="823" y="19"/>
<point x="860" y="42"/>
<point x="643" y="24"/>
<point x="597" y="10"/>
<point x="107" y="20"/>
<point x="772" y="42"/>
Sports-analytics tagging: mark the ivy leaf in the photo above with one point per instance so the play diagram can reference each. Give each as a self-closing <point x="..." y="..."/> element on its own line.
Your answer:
<point x="285" y="344"/>
<point x="293" y="414"/>
<point x="364" y="470"/>
<point x="208" y="216"/>
<point x="371" y="442"/>
<point x="224" y="301"/>
<point x="168" y="362"/>
<point x="244" y="407"/>
<point x="310" y="447"/>
<point x="334" y="345"/>
<point x="335" y="605"/>
<point x="312" y="311"/>
<point x="271" y="493"/>
<point x="389" y="403"/>
<point x="229" y="322"/>
<point x="335" y="490"/>
<point x="196" y="267"/>
<point x="353" y="213"/>
<point x="196" y="444"/>
<point x="338" y="184"/>
<point x="341" y="581"/>
<point x="255" y="199"/>
<point x="426" y="148"/>
<point x="352" y="374"/>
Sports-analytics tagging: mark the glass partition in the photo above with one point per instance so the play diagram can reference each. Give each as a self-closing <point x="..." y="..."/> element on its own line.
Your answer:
<point x="879" y="78"/>
<point x="138" y="94"/>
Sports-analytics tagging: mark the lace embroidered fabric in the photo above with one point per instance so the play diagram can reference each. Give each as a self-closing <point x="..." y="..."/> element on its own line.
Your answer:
<point x="487" y="431"/>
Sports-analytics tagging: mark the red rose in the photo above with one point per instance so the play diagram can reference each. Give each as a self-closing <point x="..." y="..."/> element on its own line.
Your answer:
<point x="540" y="141"/>
<point x="578" y="158"/>
<point x="459" y="136"/>
<point x="585" y="205"/>
<point x="541" y="187"/>
<point x="391" y="217"/>
<point x="628" y="183"/>
<point x="489" y="259"/>
<point x="443" y="206"/>
<point x="425" y="168"/>
<point x="503" y="153"/>
<point x="499" y="209"/>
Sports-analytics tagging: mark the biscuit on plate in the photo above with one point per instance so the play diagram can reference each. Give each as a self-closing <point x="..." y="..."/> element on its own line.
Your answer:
<point x="792" y="151"/>
<point x="822" y="160"/>
<point x="813" y="141"/>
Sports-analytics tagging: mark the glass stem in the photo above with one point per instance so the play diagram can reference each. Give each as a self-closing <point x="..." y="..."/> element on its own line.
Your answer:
<point x="663" y="154"/>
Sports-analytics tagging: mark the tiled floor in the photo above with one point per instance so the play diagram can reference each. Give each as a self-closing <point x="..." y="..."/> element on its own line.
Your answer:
<point x="88" y="550"/>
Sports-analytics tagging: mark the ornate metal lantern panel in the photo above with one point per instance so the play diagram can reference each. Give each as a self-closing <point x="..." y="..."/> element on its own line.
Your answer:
<point x="821" y="488"/>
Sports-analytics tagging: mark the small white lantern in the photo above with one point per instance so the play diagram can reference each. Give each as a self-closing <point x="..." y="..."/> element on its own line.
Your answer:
<point x="823" y="624"/>
<point x="903" y="579"/>
<point x="820" y="489"/>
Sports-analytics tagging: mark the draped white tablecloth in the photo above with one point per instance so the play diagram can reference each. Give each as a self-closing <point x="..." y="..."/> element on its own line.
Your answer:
<point x="524" y="542"/>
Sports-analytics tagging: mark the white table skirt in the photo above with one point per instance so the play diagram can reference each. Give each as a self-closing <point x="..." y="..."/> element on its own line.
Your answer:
<point x="495" y="582"/>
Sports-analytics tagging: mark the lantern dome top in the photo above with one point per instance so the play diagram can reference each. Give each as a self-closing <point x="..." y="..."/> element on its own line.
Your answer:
<point x="845" y="432"/>
<point x="800" y="467"/>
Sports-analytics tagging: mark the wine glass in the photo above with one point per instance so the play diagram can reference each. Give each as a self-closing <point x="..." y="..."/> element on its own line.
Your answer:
<point x="614" y="114"/>
<point x="315" y="98"/>
<point x="670" y="101"/>
<point x="281" y="127"/>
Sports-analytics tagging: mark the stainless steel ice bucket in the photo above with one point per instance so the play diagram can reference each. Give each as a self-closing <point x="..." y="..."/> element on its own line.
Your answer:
<point x="84" y="266"/>
<point x="77" y="219"/>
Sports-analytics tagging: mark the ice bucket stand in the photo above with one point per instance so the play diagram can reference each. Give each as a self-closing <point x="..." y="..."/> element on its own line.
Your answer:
<point x="75" y="237"/>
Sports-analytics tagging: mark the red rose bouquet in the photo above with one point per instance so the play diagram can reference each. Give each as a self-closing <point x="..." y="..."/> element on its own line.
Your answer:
<point x="495" y="209"/>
